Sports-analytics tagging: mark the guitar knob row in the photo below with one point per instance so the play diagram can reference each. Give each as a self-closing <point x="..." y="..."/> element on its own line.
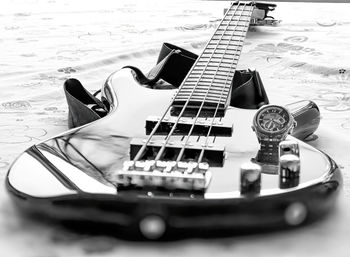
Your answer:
<point x="288" y="170"/>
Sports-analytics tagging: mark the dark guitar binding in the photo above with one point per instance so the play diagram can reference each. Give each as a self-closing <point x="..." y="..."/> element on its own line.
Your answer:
<point x="115" y="173"/>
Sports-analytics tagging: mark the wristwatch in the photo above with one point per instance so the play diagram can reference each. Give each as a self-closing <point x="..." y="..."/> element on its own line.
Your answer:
<point x="272" y="124"/>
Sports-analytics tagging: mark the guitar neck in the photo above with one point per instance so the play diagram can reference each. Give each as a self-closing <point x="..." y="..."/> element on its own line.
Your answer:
<point x="207" y="86"/>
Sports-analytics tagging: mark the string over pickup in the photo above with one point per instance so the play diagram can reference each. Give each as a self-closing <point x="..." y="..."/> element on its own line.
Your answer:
<point x="184" y="125"/>
<point x="212" y="154"/>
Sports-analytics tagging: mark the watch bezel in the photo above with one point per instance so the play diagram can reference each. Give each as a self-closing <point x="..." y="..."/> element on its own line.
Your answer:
<point x="260" y="131"/>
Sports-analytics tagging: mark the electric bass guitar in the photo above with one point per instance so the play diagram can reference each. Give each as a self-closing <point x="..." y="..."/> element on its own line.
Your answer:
<point x="182" y="162"/>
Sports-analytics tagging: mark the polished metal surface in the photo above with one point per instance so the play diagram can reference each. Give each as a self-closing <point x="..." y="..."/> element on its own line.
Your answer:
<point x="167" y="174"/>
<point x="100" y="149"/>
<point x="250" y="178"/>
<point x="289" y="147"/>
<point x="289" y="166"/>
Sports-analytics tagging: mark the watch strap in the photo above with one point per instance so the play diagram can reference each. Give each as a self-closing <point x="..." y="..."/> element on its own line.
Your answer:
<point x="268" y="152"/>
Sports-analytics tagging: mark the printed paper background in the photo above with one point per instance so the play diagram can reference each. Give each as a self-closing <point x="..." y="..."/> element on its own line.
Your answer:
<point x="44" y="42"/>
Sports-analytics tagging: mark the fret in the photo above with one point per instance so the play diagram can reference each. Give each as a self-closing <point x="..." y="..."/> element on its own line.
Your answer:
<point x="213" y="64"/>
<point x="214" y="101"/>
<point x="230" y="47"/>
<point x="221" y="65"/>
<point x="222" y="51"/>
<point x="227" y="38"/>
<point x="214" y="67"/>
<point x="237" y="12"/>
<point x="220" y="79"/>
<point x="218" y="60"/>
<point x="233" y="39"/>
<point x="229" y="24"/>
<point x="205" y="84"/>
<point x="230" y="29"/>
<point x="240" y="23"/>
<point x="237" y="34"/>
<point x="217" y="42"/>
<point x="204" y="90"/>
<point x="225" y="73"/>
<point x="234" y="9"/>
<point x="235" y="20"/>
<point x="238" y="8"/>
<point x="244" y="13"/>
<point x="224" y="91"/>
<point x="210" y="76"/>
<point x="226" y="34"/>
<point x="209" y="81"/>
<point x="219" y="47"/>
<point x="223" y="77"/>
<point x="208" y="66"/>
<point x="211" y="67"/>
<point x="210" y="73"/>
<point x="214" y="86"/>
<point x="233" y="26"/>
<point x="223" y="59"/>
<point x="219" y="95"/>
<point x="202" y="95"/>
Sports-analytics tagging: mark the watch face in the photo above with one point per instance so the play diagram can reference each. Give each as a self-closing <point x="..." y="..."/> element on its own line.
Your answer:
<point x="272" y="119"/>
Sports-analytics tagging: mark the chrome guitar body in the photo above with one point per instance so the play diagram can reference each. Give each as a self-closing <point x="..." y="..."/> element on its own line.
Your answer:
<point x="69" y="177"/>
<point x="82" y="177"/>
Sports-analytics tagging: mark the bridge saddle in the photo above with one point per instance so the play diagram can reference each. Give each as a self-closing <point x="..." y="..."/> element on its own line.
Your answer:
<point x="169" y="175"/>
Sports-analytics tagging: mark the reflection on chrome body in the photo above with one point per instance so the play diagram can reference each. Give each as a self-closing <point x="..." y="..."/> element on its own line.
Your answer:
<point x="96" y="173"/>
<point x="82" y="166"/>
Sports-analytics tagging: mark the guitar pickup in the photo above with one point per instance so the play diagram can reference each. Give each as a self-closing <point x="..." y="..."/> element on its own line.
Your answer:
<point x="212" y="154"/>
<point x="184" y="125"/>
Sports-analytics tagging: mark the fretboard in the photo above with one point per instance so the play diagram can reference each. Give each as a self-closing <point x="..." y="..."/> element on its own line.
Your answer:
<point x="207" y="87"/>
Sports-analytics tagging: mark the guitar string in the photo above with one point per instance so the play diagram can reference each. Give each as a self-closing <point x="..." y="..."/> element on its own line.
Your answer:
<point x="234" y="63"/>
<point x="223" y="88"/>
<point x="163" y="147"/>
<point x="141" y="151"/>
<point x="227" y="77"/>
